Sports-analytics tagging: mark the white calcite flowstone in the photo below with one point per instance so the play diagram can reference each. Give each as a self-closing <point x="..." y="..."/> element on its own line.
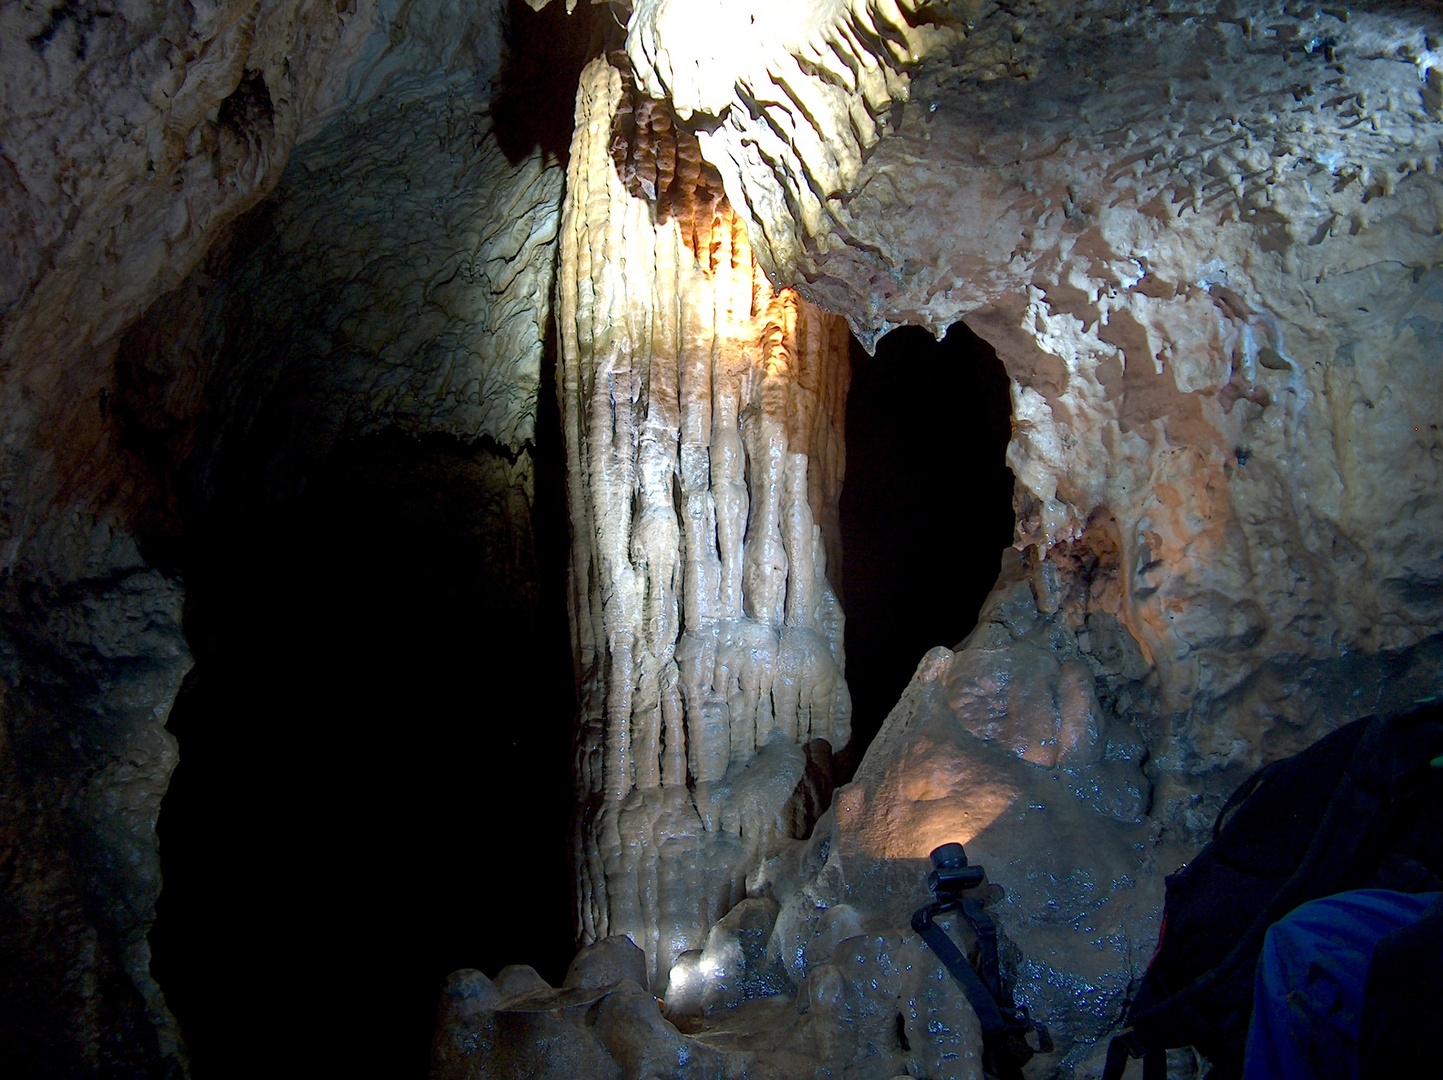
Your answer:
<point x="702" y="412"/>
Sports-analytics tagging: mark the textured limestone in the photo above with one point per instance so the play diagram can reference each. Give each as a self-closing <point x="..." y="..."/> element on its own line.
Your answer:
<point x="880" y="1007"/>
<point x="134" y="136"/>
<point x="732" y="967"/>
<point x="702" y="414"/>
<point x="1204" y="240"/>
<point x="92" y="667"/>
<point x="802" y="91"/>
<point x="131" y="135"/>
<point x="1204" y="244"/>
<point x="401" y="276"/>
<point x="605" y="962"/>
<point x="1067" y="838"/>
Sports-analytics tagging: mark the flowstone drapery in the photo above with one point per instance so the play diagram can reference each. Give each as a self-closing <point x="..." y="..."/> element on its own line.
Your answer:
<point x="702" y="413"/>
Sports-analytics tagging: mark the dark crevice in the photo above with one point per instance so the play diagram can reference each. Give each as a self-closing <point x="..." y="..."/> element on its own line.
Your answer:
<point x="545" y="52"/>
<point x="248" y="109"/>
<point x="926" y="507"/>
<point x="374" y="781"/>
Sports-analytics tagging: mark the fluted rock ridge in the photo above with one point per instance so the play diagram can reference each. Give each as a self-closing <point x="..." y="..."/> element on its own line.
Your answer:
<point x="702" y="412"/>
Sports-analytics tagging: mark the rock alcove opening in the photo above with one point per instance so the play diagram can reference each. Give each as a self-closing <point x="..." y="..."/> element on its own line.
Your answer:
<point x="374" y="786"/>
<point x="926" y="506"/>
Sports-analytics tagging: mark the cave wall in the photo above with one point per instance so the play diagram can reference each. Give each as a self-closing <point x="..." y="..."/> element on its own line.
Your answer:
<point x="1203" y="240"/>
<point x="194" y="316"/>
<point x="1204" y="243"/>
<point x="132" y="136"/>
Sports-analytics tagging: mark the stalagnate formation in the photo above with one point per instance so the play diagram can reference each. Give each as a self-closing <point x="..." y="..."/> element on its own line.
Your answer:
<point x="702" y="413"/>
<point x="1205" y="248"/>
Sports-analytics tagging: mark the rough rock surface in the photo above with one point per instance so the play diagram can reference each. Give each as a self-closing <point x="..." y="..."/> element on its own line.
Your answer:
<point x="132" y="135"/>
<point x="881" y="1006"/>
<point x="1204" y="240"/>
<point x="802" y="89"/>
<point x="605" y="962"/>
<point x="168" y="123"/>
<point x="157" y="347"/>
<point x="702" y="414"/>
<point x="1203" y="237"/>
<point x="400" y="276"/>
<point x="1204" y="243"/>
<point x="1064" y="833"/>
<point x="92" y="666"/>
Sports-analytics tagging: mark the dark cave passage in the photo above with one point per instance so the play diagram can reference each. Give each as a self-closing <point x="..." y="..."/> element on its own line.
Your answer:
<point x="926" y="506"/>
<point x="374" y="785"/>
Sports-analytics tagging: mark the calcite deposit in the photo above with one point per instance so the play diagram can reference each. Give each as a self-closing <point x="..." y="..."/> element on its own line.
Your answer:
<point x="880" y="1007"/>
<point x="1198" y="240"/>
<point x="1004" y="747"/>
<point x="802" y="90"/>
<point x="702" y="413"/>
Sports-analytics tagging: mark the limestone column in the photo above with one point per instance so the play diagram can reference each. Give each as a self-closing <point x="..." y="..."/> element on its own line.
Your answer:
<point x="703" y="418"/>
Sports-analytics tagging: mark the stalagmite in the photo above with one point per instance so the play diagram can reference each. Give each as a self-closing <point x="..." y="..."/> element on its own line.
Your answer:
<point x="702" y="413"/>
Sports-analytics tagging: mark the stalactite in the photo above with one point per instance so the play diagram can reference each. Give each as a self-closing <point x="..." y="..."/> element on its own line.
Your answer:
<point x="703" y="417"/>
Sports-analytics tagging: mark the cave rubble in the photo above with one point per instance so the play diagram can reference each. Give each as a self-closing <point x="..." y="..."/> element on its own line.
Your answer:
<point x="881" y="1006"/>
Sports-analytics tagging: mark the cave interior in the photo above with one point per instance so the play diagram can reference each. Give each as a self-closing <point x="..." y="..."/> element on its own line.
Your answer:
<point x="487" y="480"/>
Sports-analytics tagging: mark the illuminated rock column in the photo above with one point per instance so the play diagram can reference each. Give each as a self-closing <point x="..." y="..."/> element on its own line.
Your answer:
<point x="703" y="417"/>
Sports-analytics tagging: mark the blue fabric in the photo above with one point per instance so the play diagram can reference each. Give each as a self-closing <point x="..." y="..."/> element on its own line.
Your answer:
<point x="1308" y="994"/>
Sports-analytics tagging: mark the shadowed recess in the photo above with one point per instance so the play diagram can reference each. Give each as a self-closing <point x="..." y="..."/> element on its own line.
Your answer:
<point x="374" y="784"/>
<point x="926" y="506"/>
